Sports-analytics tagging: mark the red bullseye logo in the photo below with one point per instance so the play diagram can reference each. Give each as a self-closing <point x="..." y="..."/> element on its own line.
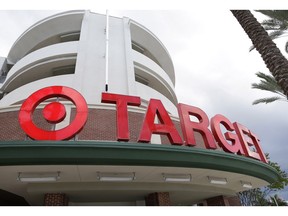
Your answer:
<point x="54" y="113"/>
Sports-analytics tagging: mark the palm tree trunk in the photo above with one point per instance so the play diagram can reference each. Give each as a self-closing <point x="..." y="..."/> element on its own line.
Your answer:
<point x="271" y="55"/>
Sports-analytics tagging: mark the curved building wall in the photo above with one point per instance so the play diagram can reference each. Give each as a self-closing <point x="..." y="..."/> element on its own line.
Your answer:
<point x="69" y="49"/>
<point x="44" y="33"/>
<point x="74" y="43"/>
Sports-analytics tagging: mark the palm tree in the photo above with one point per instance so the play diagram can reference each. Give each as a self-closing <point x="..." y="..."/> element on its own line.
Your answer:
<point x="271" y="55"/>
<point x="276" y="25"/>
<point x="268" y="83"/>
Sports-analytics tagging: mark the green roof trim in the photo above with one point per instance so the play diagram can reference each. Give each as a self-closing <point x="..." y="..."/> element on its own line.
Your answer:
<point x="129" y="154"/>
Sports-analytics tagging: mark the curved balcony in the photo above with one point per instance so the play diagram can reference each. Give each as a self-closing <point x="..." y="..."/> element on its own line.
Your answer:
<point x="45" y="62"/>
<point x="154" y="75"/>
<point x="45" y="33"/>
<point x="147" y="93"/>
<point x="25" y="91"/>
<point x="147" y="40"/>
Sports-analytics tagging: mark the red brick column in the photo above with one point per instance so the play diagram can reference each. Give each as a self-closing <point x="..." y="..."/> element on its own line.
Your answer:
<point x="234" y="201"/>
<point x="217" y="201"/>
<point x="158" y="199"/>
<point x="55" y="199"/>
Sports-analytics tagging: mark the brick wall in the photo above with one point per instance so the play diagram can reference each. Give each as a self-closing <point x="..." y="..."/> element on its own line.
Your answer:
<point x="100" y="125"/>
<point x="9" y="127"/>
<point x="158" y="199"/>
<point x="55" y="199"/>
<point x="234" y="201"/>
<point x="217" y="201"/>
<point x="223" y="201"/>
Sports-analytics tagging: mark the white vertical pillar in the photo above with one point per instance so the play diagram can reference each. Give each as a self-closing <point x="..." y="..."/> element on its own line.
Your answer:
<point x="107" y="52"/>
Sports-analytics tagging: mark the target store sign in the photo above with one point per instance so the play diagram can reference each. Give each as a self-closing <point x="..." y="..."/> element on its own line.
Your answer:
<point x="237" y="139"/>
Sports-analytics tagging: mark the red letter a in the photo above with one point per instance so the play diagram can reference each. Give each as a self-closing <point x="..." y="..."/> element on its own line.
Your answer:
<point x="166" y="127"/>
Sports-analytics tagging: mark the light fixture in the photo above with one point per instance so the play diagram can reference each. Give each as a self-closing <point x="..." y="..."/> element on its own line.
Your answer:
<point x="246" y="184"/>
<point x="217" y="180"/>
<point x="177" y="177"/>
<point x="102" y="176"/>
<point x="38" y="177"/>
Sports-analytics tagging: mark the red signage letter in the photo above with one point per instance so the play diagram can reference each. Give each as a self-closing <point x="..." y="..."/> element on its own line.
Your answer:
<point x="248" y="139"/>
<point x="54" y="113"/>
<point x="121" y="102"/>
<point x="166" y="127"/>
<point x="188" y="126"/>
<point x="235" y="146"/>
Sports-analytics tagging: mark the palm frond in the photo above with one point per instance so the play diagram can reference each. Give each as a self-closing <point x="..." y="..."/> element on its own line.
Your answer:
<point x="267" y="77"/>
<point x="271" y="24"/>
<point x="276" y="34"/>
<point x="281" y="15"/>
<point x="265" y="87"/>
<point x="267" y="100"/>
<point x="267" y="83"/>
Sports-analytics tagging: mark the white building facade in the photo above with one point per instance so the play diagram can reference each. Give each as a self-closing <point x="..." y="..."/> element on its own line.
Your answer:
<point x="92" y="53"/>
